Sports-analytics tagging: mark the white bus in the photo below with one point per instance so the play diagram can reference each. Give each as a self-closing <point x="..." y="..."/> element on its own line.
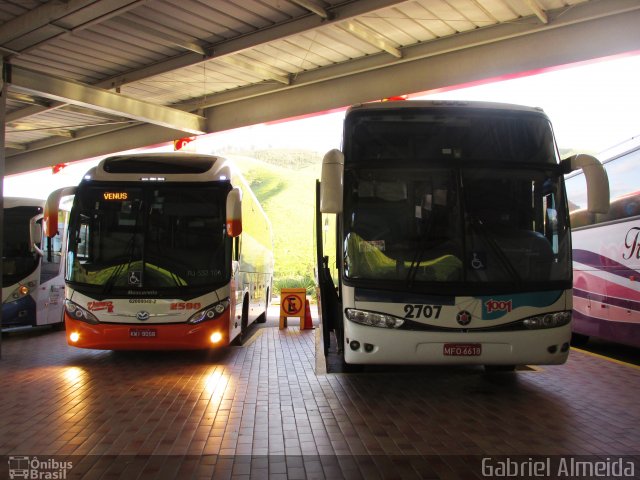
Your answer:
<point x="453" y="240"/>
<point x="32" y="276"/>
<point x="165" y="251"/>
<point x="606" y="252"/>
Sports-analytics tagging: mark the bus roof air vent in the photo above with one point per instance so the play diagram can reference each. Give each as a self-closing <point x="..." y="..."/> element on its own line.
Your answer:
<point x="159" y="164"/>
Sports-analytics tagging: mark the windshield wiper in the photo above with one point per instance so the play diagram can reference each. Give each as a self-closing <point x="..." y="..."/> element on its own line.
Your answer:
<point x="108" y="286"/>
<point x="482" y="230"/>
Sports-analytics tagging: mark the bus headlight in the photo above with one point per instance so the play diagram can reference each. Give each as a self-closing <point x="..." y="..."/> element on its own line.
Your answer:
<point x="76" y="312"/>
<point x="374" y="319"/>
<point x="548" y="320"/>
<point x="21" y="291"/>
<point x="210" y="312"/>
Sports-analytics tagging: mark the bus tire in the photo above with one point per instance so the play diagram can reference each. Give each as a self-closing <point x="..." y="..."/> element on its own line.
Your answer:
<point x="244" y="322"/>
<point x="262" y="318"/>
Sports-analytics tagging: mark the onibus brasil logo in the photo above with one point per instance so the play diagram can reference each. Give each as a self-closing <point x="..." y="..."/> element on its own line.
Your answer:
<point x="33" y="468"/>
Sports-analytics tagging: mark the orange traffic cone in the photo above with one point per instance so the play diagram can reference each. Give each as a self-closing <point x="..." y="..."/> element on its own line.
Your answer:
<point x="308" y="321"/>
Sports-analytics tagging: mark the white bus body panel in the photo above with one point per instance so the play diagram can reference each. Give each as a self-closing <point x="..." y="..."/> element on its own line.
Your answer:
<point x="394" y="346"/>
<point x="50" y="301"/>
<point x="47" y="280"/>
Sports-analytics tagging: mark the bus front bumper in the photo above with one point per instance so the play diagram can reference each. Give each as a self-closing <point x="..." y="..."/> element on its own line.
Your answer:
<point x="19" y="313"/>
<point x="183" y="336"/>
<point x="386" y="346"/>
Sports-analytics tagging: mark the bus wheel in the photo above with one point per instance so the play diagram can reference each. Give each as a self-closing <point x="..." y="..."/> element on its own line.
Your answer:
<point x="579" y="340"/>
<point x="499" y="368"/>
<point x="244" y="323"/>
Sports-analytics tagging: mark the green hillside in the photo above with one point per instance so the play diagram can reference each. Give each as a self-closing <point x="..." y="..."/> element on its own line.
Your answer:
<point x="294" y="159"/>
<point x="288" y="197"/>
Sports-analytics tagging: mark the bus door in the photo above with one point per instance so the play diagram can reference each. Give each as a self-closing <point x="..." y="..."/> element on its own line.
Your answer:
<point x="329" y="302"/>
<point x="50" y="298"/>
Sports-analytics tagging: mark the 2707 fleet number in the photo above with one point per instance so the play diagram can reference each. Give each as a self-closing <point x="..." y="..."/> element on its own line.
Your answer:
<point x="422" y="311"/>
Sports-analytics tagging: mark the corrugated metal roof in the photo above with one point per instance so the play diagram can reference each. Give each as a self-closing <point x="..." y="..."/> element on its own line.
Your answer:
<point x="184" y="53"/>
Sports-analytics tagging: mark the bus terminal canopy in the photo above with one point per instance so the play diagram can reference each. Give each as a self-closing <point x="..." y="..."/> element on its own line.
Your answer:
<point x="93" y="77"/>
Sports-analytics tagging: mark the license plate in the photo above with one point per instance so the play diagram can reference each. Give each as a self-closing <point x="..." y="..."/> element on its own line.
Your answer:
<point x="142" y="332"/>
<point x="462" y="349"/>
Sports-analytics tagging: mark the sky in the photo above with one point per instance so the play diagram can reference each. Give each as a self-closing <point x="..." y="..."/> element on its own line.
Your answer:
<point x="592" y="106"/>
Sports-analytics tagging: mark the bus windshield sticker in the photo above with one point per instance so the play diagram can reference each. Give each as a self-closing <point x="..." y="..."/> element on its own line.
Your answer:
<point x="134" y="277"/>
<point x="99" y="306"/>
<point x="498" y="306"/>
<point x="478" y="260"/>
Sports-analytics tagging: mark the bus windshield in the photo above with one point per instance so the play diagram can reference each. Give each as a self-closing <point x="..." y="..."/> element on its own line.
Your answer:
<point x="18" y="257"/>
<point x="475" y="226"/>
<point x="167" y="238"/>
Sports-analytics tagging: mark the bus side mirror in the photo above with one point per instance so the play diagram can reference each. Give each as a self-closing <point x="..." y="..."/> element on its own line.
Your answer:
<point x="331" y="180"/>
<point x="234" y="212"/>
<point x="51" y="209"/>
<point x="597" y="180"/>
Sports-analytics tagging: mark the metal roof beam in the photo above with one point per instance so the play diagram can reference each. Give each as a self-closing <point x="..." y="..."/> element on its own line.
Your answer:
<point x="28" y="127"/>
<point x="586" y="31"/>
<point x="39" y="17"/>
<point x="370" y="36"/>
<point x="92" y="113"/>
<point x="250" y="40"/>
<point x="538" y="10"/>
<point x="229" y="47"/>
<point x="15" y="146"/>
<point x="312" y="7"/>
<point x="58" y="89"/>
<point x="479" y="55"/>
<point x="30" y="99"/>
<point x="562" y="19"/>
<point x="51" y="19"/>
<point x="255" y="69"/>
<point x="162" y="37"/>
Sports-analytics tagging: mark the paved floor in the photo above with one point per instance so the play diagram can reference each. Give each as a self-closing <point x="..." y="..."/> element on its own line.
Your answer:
<point x="262" y="411"/>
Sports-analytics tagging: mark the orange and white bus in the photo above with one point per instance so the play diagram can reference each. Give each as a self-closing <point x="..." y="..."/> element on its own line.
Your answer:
<point x="165" y="251"/>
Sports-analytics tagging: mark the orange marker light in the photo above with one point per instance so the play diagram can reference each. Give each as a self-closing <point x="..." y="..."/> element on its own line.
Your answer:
<point x="216" y="337"/>
<point x="74" y="337"/>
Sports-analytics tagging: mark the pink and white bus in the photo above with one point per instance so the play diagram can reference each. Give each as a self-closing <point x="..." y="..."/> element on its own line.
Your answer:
<point x="606" y="252"/>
